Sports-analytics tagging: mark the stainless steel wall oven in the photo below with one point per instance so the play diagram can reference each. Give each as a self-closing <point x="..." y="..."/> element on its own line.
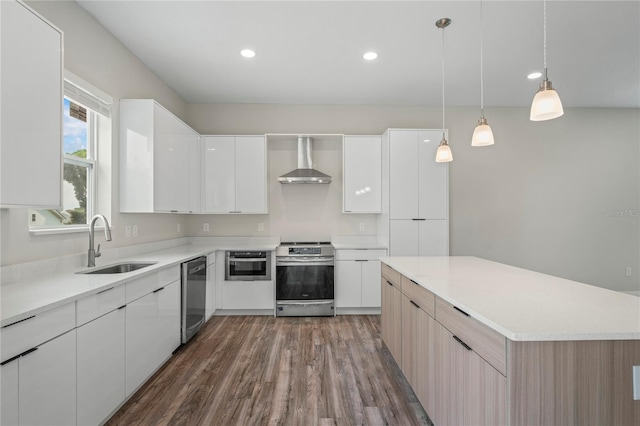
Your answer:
<point x="305" y="279"/>
<point x="247" y="266"/>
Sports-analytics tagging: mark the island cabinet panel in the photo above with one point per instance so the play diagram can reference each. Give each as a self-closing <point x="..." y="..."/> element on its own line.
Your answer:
<point x="573" y="382"/>
<point x="391" y="319"/>
<point x="487" y="343"/>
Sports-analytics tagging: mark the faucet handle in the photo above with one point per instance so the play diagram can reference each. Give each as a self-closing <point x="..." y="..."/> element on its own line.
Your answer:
<point x="98" y="254"/>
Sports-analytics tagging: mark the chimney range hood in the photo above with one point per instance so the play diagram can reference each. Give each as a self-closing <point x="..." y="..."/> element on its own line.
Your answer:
<point x="305" y="173"/>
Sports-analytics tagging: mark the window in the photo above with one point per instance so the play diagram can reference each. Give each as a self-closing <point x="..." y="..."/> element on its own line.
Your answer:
<point x="83" y="114"/>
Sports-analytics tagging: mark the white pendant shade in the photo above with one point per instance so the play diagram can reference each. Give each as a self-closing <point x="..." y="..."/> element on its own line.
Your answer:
<point x="444" y="155"/>
<point x="482" y="135"/>
<point x="546" y="105"/>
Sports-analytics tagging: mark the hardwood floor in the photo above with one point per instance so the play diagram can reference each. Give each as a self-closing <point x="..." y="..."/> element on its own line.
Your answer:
<point x="259" y="370"/>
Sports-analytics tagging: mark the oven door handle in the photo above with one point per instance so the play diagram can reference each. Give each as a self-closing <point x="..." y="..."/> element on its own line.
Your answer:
<point x="301" y="262"/>
<point x="246" y="260"/>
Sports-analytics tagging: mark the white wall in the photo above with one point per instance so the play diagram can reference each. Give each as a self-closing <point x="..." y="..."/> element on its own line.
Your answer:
<point x="547" y="197"/>
<point x="96" y="56"/>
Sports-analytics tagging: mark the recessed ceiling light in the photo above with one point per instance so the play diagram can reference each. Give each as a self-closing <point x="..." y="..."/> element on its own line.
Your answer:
<point x="534" y="75"/>
<point x="248" y="53"/>
<point x="370" y="56"/>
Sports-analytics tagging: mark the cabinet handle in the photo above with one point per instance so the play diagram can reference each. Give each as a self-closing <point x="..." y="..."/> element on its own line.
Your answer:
<point x="14" y="323"/>
<point x="173" y="211"/>
<point x="362" y="260"/>
<point x="389" y="283"/>
<point x="414" y="282"/>
<point x="25" y="353"/>
<point x="461" y="311"/>
<point x="418" y="219"/>
<point x="160" y="289"/>
<point x="467" y="347"/>
<point x="104" y="291"/>
<point x="122" y="307"/>
<point x="9" y="360"/>
<point x="235" y="211"/>
<point x="414" y="304"/>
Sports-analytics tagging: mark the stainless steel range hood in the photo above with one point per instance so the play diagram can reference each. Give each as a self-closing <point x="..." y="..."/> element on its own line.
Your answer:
<point x="305" y="173"/>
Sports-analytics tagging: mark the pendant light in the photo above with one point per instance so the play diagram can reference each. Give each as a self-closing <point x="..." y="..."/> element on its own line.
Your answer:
<point x="546" y="103"/>
<point x="482" y="135"/>
<point x="443" y="155"/>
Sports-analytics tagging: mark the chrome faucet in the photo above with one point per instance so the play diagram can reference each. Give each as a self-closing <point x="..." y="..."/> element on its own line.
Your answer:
<point x="107" y="234"/>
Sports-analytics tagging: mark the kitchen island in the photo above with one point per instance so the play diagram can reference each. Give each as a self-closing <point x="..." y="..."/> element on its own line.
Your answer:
<point x="485" y="343"/>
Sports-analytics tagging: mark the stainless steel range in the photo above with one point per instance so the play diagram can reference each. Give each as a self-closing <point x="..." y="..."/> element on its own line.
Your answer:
<point x="304" y="279"/>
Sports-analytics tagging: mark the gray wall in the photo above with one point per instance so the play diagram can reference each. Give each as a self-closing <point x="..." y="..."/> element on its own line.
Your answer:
<point x="559" y="197"/>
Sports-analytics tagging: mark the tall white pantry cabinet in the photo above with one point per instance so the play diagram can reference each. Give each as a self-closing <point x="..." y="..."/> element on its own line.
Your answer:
<point x="415" y="194"/>
<point x="31" y="117"/>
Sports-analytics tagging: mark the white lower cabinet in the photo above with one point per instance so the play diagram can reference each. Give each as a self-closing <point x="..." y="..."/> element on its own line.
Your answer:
<point x="101" y="367"/>
<point x="9" y="393"/>
<point x="168" y="322"/>
<point x="357" y="278"/>
<point x="140" y="341"/>
<point x="247" y="295"/>
<point x="152" y="333"/>
<point x="47" y="383"/>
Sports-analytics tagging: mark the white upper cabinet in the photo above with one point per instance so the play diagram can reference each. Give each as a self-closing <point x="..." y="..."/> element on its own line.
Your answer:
<point x="31" y="117"/>
<point x="418" y="185"/>
<point x="235" y="174"/>
<point x="362" y="165"/>
<point x="159" y="163"/>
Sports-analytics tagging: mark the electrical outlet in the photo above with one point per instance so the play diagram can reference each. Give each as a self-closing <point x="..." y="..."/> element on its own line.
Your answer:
<point x="205" y="227"/>
<point x="261" y="227"/>
<point x="361" y="227"/>
<point x="127" y="231"/>
<point x="628" y="272"/>
<point x="179" y="226"/>
<point x="134" y="230"/>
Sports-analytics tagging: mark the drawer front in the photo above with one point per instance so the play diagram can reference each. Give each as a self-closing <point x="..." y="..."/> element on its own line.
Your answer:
<point x="488" y="343"/>
<point x="419" y="295"/>
<point x="27" y="334"/>
<point x="96" y="305"/>
<point x="392" y="276"/>
<point x="360" y="254"/>
<point x="139" y="287"/>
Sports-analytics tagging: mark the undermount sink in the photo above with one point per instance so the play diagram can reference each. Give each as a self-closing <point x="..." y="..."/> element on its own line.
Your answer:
<point x="118" y="268"/>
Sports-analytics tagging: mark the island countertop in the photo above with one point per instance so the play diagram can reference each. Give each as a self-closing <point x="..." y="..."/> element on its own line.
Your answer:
<point x="524" y="305"/>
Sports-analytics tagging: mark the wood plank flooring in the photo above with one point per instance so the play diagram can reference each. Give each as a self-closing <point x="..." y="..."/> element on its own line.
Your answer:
<point x="260" y="370"/>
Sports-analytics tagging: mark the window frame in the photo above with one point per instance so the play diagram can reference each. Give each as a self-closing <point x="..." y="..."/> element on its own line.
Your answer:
<point x="99" y="108"/>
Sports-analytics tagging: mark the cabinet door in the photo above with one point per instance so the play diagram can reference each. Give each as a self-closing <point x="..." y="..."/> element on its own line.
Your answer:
<point x="247" y="295"/>
<point x="9" y="393"/>
<point x="251" y="174"/>
<point x="391" y="319"/>
<point x="168" y="324"/>
<point x="449" y="380"/>
<point x="371" y="295"/>
<point x="409" y="342"/>
<point x="433" y="178"/>
<point x="141" y="347"/>
<point x="219" y="174"/>
<point x="426" y="350"/>
<point x="101" y="367"/>
<point x="348" y="284"/>
<point x="434" y="238"/>
<point x="484" y="392"/>
<point x="47" y="383"/>
<point x="31" y="120"/>
<point x="404" y="238"/>
<point x="403" y="174"/>
<point x="362" y="171"/>
<point x="195" y="172"/>
<point x="171" y="163"/>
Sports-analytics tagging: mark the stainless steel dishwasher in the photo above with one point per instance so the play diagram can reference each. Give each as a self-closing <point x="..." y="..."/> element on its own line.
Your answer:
<point x="194" y="296"/>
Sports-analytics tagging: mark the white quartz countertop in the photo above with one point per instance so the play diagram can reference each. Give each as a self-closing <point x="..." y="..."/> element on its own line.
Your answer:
<point x="525" y="305"/>
<point x="28" y="297"/>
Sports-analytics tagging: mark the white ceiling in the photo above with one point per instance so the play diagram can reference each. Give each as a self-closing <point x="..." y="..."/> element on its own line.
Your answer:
<point x="311" y="52"/>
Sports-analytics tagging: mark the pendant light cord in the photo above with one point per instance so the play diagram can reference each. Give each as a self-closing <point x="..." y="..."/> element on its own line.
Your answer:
<point x="544" y="24"/>
<point x="443" y="83"/>
<point x="481" y="64"/>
